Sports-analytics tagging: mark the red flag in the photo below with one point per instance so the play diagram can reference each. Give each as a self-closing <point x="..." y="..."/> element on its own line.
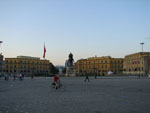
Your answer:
<point x="44" y="51"/>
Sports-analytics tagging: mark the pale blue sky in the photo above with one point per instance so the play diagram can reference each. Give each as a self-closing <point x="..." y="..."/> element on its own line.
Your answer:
<point x="84" y="27"/>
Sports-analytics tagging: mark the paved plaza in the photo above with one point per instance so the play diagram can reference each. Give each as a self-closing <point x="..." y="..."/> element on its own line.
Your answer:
<point x="101" y="95"/>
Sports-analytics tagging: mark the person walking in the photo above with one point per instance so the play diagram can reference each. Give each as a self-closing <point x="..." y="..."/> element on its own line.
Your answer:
<point x="14" y="77"/>
<point x="22" y="76"/>
<point x="86" y="78"/>
<point x="6" y="77"/>
<point x="32" y="76"/>
<point x="95" y="76"/>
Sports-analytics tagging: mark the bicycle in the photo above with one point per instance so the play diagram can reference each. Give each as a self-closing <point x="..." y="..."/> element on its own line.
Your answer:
<point x="56" y="85"/>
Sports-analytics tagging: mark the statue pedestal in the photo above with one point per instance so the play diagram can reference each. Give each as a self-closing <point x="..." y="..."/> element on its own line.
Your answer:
<point x="70" y="72"/>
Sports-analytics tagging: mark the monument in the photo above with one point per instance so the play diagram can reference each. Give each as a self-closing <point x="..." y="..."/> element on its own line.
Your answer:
<point x="70" y="70"/>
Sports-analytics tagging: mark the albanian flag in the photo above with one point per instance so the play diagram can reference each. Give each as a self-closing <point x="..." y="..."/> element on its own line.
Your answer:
<point x="44" y="51"/>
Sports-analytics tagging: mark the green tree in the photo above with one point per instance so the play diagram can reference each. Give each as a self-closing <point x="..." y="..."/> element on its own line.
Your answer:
<point x="54" y="70"/>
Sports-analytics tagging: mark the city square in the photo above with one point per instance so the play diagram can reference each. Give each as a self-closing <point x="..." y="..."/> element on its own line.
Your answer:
<point x="74" y="56"/>
<point x="127" y="94"/>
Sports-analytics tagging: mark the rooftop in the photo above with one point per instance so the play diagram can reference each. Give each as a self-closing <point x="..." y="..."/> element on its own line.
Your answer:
<point x="139" y="53"/>
<point x="28" y="57"/>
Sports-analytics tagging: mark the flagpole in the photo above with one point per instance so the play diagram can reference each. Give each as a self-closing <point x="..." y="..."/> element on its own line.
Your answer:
<point x="43" y="53"/>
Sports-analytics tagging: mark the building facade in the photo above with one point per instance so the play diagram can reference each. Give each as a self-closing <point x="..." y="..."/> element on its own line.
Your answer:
<point x="1" y="65"/>
<point x="99" y="66"/>
<point x="27" y="65"/>
<point x="137" y="64"/>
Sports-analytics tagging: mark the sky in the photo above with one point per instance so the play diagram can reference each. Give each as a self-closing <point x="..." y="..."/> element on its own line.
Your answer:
<point x="86" y="28"/>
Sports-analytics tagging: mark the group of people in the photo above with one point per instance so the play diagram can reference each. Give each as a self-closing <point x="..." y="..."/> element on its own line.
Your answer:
<point x="18" y="76"/>
<point x="87" y="78"/>
<point x="56" y="82"/>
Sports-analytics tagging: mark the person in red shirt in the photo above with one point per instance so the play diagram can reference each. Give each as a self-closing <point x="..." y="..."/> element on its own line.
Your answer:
<point x="56" y="79"/>
<point x="56" y="83"/>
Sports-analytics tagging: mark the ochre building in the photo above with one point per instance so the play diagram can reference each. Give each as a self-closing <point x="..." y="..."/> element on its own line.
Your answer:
<point x="99" y="66"/>
<point x="137" y="64"/>
<point x="27" y="65"/>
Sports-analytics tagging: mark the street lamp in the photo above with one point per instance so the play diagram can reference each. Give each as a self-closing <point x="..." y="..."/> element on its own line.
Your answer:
<point x="2" y="63"/>
<point x="142" y="45"/>
<point x="1" y="42"/>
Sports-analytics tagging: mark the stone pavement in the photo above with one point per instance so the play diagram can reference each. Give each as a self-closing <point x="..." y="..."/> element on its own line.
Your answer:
<point x="102" y="95"/>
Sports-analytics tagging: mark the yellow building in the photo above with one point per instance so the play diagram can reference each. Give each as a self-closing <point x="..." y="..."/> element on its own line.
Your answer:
<point x="99" y="65"/>
<point x="27" y="65"/>
<point x="137" y="64"/>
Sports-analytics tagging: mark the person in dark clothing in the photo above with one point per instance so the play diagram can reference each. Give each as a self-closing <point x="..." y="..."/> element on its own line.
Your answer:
<point x="86" y="78"/>
<point x="32" y="76"/>
<point x="95" y="76"/>
<point x="14" y="77"/>
<point x="6" y="76"/>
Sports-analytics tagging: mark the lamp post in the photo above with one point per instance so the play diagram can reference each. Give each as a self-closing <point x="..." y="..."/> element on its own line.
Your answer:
<point x="1" y="42"/>
<point x="142" y="45"/>
<point x="2" y="63"/>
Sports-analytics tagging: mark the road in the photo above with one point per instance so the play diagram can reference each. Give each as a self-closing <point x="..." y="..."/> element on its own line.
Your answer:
<point x="102" y="95"/>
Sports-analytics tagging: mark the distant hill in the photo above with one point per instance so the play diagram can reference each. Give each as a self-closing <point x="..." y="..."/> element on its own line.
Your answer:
<point x="60" y="66"/>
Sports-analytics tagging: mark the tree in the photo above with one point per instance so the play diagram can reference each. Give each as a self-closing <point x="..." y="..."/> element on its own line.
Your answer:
<point x="64" y="70"/>
<point x="54" y="70"/>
